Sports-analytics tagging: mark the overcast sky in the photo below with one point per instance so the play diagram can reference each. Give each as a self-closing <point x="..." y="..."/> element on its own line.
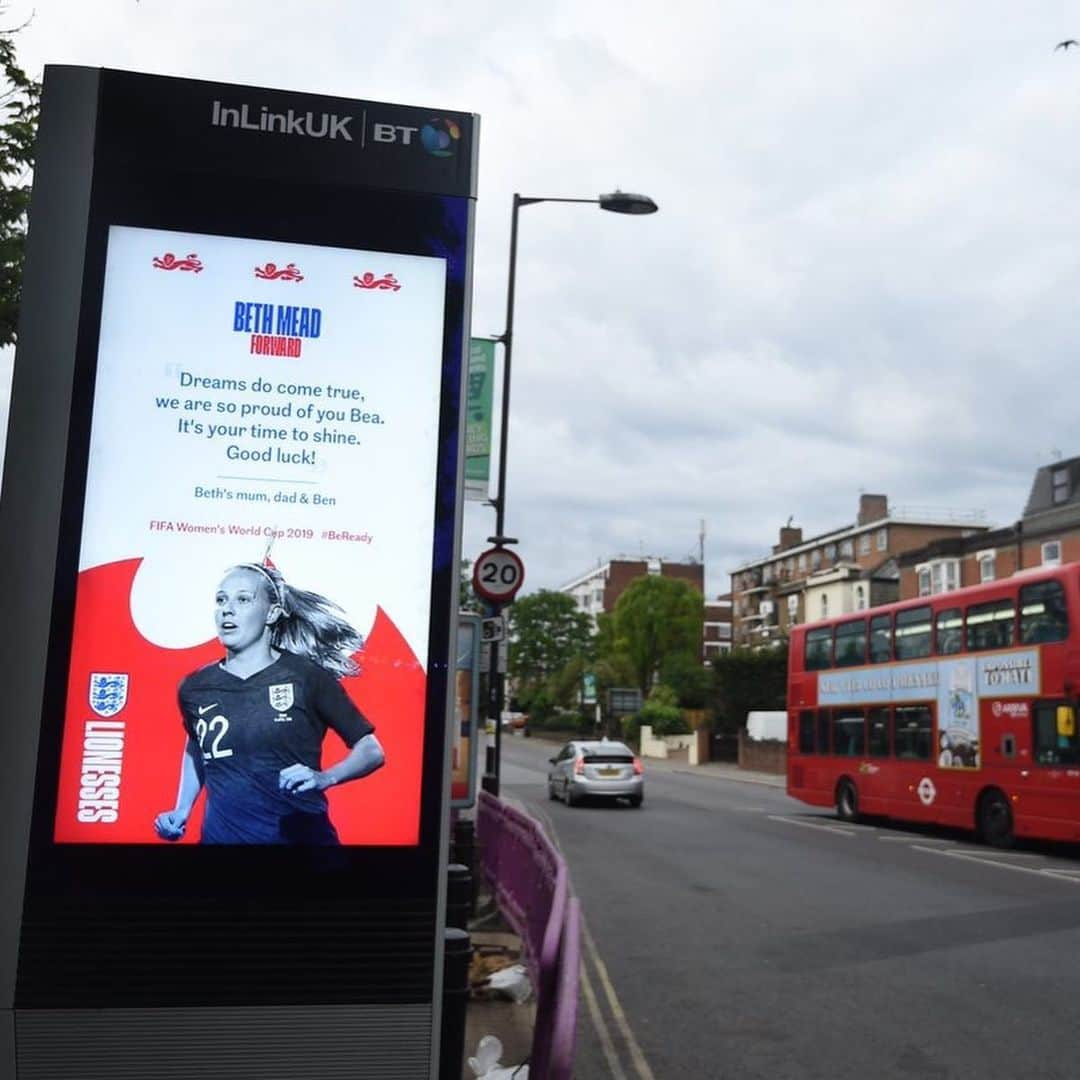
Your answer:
<point x="865" y="272"/>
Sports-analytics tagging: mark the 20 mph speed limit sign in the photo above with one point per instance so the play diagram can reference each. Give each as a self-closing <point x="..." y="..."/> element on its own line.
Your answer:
<point x="497" y="575"/>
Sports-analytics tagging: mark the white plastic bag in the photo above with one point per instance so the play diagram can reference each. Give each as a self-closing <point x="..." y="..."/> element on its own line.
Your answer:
<point x="486" y="1063"/>
<point x="513" y="982"/>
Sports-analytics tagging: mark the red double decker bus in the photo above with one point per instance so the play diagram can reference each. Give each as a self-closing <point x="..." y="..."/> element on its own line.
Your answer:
<point x="957" y="709"/>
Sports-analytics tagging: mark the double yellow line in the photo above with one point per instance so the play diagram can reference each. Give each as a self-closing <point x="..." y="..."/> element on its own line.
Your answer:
<point x="591" y="956"/>
<point x="622" y="1037"/>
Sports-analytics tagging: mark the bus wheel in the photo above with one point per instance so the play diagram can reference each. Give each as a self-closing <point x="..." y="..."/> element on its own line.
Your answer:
<point x="847" y="801"/>
<point x="996" y="820"/>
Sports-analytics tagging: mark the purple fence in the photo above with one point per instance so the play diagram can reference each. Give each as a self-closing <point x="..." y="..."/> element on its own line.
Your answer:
<point x="564" y="1028"/>
<point x="528" y="878"/>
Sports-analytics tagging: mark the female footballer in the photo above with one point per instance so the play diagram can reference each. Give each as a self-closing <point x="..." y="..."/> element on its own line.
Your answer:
<point x="256" y="719"/>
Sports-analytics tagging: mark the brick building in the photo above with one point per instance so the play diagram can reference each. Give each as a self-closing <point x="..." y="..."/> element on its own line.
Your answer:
<point x="846" y="569"/>
<point x="717" y="631"/>
<point x="1047" y="534"/>
<point x="597" y="590"/>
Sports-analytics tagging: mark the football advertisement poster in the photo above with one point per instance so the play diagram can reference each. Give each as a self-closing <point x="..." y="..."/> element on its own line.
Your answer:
<point x="255" y="402"/>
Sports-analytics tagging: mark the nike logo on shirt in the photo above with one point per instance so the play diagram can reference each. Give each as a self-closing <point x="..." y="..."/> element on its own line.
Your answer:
<point x="207" y="708"/>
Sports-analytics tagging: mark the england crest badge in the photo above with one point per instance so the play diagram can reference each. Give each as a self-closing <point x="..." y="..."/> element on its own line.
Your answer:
<point x="108" y="693"/>
<point x="281" y="697"/>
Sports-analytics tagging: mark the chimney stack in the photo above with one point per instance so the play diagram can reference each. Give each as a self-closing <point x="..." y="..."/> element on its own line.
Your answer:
<point x="873" y="508"/>
<point x="789" y="537"/>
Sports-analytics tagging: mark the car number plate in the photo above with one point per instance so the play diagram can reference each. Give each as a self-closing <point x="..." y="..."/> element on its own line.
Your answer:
<point x="610" y="771"/>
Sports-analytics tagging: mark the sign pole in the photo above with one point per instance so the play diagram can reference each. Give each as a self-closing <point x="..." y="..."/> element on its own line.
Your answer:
<point x="496" y="697"/>
<point x="498" y="574"/>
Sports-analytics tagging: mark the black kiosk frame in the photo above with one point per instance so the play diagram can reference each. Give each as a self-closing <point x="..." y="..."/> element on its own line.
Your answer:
<point x="238" y="961"/>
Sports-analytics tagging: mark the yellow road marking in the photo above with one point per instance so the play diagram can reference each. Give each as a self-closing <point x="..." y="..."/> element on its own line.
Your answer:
<point x="592" y="1002"/>
<point x="636" y="1056"/>
<point x="599" y="1025"/>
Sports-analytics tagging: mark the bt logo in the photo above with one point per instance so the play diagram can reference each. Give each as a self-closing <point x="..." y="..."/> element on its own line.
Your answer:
<point x="438" y="137"/>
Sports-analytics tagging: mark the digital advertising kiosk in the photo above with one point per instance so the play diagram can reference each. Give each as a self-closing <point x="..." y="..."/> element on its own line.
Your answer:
<point x="244" y="321"/>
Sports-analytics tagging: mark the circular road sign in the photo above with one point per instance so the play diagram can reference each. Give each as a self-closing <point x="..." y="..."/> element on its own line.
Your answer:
<point x="497" y="575"/>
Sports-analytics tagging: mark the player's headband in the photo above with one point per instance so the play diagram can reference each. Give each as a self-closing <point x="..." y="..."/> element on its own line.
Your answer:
<point x="279" y="592"/>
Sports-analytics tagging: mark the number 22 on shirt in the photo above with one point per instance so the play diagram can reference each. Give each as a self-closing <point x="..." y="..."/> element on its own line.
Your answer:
<point x="216" y="730"/>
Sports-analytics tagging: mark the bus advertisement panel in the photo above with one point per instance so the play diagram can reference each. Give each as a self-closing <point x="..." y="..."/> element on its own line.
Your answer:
<point x="957" y="709"/>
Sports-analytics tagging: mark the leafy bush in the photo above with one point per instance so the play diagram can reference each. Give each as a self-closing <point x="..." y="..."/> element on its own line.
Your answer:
<point x="747" y="680"/>
<point x="692" y="682"/>
<point x="662" y="713"/>
<point x="669" y="721"/>
<point x="568" y="722"/>
<point x="631" y="729"/>
<point x="538" y="705"/>
<point x="662" y="694"/>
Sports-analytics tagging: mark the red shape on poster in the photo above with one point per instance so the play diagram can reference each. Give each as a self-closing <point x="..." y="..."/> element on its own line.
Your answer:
<point x="382" y="809"/>
<point x="169" y="261"/>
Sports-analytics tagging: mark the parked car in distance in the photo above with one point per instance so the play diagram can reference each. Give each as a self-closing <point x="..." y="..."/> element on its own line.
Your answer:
<point x="515" y="720"/>
<point x="588" y="767"/>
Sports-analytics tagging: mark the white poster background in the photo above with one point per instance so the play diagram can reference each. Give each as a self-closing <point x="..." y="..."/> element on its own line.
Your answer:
<point x="175" y="499"/>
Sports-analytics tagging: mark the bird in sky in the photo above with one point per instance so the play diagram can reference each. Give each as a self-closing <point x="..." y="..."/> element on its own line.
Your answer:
<point x="1065" y="44"/>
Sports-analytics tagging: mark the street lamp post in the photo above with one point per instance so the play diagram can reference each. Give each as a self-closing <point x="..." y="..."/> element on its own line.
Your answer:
<point x="618" y="202"/>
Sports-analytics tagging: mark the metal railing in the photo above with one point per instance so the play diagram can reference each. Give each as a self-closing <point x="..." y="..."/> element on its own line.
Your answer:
<point x="529" y="881"/>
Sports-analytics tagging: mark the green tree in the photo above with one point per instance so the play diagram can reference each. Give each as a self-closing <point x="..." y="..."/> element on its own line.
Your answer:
<point x="547" y="633"/>
<point x="612" y="669"/>
<point x="657" y="617"/>
<point x="606" y="645"/>
<point x="747" y="680"/>
<point x="564" y="685"/>
<point x="20" y="103"/>
<point x="693" y="683"/>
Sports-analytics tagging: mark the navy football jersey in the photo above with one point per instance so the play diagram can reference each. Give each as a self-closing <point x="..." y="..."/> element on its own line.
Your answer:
<point x="248" y="730"/>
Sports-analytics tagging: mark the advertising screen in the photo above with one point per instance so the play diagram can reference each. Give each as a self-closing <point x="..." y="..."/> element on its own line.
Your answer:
<point x="254" y="581"/>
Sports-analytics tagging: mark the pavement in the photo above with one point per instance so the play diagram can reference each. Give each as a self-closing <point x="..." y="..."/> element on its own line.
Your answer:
<point x="495" y="945"/>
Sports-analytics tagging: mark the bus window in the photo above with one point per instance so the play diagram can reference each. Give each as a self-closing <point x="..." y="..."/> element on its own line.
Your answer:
<point x="913" y="732"/>
<point x="849" y="735"/>
<point x="851" y="643"/>
<point x="879" y="732"/>
<point x="913" y="633"/>
<point x="1051" y="746"/>
<point x="1042" y="613"/>
<point x="823" y="731"/>
<point x="818" y="649"/>
<point x="806" y="732"/>
<point x="990" y="626"/>
<point x="950" y="632"/>
<point x="880" y="639"/>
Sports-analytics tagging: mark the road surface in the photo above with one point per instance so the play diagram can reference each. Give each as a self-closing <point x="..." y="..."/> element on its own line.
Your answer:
<point x="732" y="932"/>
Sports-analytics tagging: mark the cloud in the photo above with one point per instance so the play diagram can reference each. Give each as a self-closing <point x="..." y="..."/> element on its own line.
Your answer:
<point x="862" y="277"/>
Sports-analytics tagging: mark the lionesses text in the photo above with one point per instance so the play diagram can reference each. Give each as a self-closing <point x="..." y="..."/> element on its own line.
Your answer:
<point x="102" y="765"/>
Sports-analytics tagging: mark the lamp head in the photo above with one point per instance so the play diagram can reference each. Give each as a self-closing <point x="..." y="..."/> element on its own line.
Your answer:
<point x="625" y="202"/>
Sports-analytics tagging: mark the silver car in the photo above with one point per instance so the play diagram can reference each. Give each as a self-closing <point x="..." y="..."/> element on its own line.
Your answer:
<point x="603" y="768"/>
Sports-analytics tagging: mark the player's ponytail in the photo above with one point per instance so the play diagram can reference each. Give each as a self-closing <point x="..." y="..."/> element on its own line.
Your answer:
<point x="311" y="625"/>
